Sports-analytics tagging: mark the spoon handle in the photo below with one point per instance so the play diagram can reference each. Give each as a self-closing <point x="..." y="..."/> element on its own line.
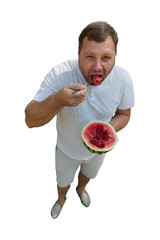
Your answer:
<point x="77" y="90"/>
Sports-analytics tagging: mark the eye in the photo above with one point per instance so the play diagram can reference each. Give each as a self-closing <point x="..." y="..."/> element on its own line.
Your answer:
<point x="89" y="56"/>
<point x="106" y="58"/>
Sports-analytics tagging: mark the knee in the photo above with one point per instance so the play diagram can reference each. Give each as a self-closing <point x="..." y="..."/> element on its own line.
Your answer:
<point x="63" y="188"/>
<point x="83" y="176"/>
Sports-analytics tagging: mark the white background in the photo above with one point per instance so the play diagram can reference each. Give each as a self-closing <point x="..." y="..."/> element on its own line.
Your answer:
<point x="36" y="35"/>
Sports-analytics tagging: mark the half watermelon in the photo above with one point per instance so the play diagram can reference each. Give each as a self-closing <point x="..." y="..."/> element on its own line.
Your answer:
<point x="99" y="137"/>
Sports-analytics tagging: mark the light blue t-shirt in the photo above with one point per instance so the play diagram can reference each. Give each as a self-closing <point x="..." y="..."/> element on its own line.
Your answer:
<point x="101" y="103"/>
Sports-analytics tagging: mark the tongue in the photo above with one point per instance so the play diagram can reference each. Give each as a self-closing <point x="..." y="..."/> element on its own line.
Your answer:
<point x="96" y="80"/>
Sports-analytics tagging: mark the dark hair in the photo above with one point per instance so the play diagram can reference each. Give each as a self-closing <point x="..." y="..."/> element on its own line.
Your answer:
<point x="98" y="32"/>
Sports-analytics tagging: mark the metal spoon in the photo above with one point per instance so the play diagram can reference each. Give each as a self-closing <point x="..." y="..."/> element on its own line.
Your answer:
<point x="77" y="90"/>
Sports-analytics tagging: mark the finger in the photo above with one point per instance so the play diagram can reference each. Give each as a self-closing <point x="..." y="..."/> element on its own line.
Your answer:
<point x="79" y="101"/>
<point x="75" y="91"/>
<point x="82" y="92"/>
<point x="84" y="89"/>
<point x="79" y="96"/>
<point x="76" y="86"/>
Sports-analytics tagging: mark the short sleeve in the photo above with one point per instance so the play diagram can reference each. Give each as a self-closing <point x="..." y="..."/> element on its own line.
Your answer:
<point x="127" y="99"/>
<point x="47" y="88"/>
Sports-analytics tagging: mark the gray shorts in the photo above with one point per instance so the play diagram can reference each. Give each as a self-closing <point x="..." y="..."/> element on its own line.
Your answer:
<point x="66" y="167"/>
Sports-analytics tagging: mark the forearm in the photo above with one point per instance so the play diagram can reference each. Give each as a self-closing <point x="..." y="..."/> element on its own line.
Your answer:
<point x="119" y="121"/>
<point x="40" y="113"/>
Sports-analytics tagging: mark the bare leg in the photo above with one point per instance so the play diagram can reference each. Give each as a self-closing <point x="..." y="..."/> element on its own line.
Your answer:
<point x="62" y="194"/>
<point x="82" y="182"/>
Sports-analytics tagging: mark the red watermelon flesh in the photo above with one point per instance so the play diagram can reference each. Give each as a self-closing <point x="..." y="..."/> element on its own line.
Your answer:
<point x="99" y="136"/>
<point x="96" y="80"/>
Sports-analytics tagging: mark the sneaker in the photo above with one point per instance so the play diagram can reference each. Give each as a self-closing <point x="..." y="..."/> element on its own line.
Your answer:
<point x="84" y="197"/>
<point x="56" y="209"/>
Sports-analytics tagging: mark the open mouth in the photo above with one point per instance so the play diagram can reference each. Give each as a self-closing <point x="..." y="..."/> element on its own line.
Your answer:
<point x="96" y="79"/>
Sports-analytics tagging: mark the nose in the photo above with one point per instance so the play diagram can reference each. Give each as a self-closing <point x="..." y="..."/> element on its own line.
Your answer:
<point x="97" y="65"/>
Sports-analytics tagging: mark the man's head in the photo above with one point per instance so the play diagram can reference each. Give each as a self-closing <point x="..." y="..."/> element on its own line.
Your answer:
<point x="97" y="51"/>
<point x="98" y="32"/>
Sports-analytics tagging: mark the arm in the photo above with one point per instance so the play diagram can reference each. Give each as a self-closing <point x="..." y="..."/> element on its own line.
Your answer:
<point x="40" y="113"/>
<point x="120" y="119"/>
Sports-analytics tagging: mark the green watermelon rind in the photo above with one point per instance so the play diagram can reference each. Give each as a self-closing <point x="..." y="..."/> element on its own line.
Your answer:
<point x="94" y="150"/>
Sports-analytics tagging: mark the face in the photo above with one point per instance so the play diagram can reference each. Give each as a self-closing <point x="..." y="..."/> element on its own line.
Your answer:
<point x="96" y="60"/>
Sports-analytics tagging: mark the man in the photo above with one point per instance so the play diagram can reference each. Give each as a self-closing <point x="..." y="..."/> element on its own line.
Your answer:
<point x="79" y="91"/>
